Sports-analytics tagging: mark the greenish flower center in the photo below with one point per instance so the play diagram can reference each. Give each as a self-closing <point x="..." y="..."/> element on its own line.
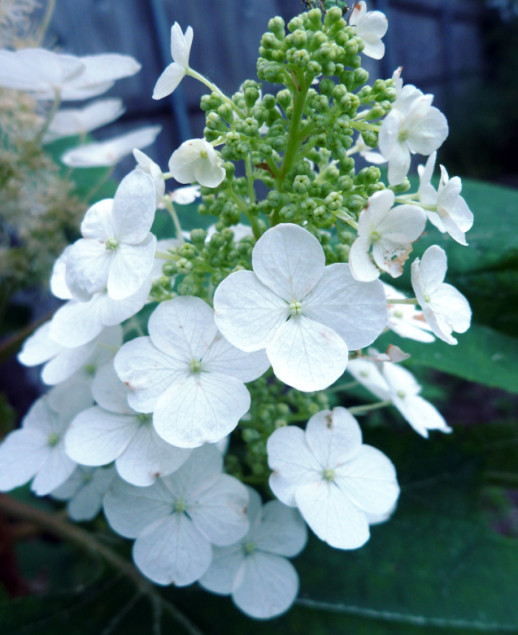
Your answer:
<point x="398" y="313"/>
<point x="53" y="439"/>
<point x="90" y="369"/>
<point x="403" y="135"/>
<point x="329" y="474"/>
<point x="426" y="297"/>
<point x="375" y="236"/>
<point x="144" y="419"/>
<point x="111" y="244"/>
<point x="249" y="547"/>
<point x="203" y="154"/>
<point x="180" y="506"/>
<point x="195" y="366"/>
<point x="295" y="308"/>
<point x="401" y="394"/>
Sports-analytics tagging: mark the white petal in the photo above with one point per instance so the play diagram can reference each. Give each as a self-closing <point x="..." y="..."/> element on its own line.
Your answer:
<point x="281" y="530"/>
<point x="55" y="471"/>
<point x="88" y="266"/>
<point x="39" y="348"/>
<point x="134" y="207"/>
<point x="226" y="562"/>
<point x="225" y="359"/>
<point x="77" y="323"/>
<point x="361" y="266"/>
<point x="333" y="436"/>
<point x="72" y="121"/>
<point x="22" y="453"/>
<point x="168" y="80"/>
<point x="421" y="415"/>
<point x="130" y="268"/>
<point x="181" y="44"/>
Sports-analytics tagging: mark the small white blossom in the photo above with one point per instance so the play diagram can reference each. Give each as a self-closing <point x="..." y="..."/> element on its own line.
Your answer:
<point x="263" y="584"/>
<point x="306" y="315"/>
<point x="405" y="319"/>
<point x="78" y="121"/>
<point x="185" y="195"/>
<point x="392" y="382"/>
<point x="452" y="213"/>
<point x="84" y="491"/>
<point x="370" y="26"/>
<point x="110" y="152"/>
<point x="187" y="374"/>
<point x="196" y="160"/>
<point x="112" y="431"/>
<point x="334" y="480"/>
<point x="444" y="308"/>
<point x="389" y="231"/>
<point x="180" y="50"/>
<point x="177" y="519"/>
<point x="117" y="250"/>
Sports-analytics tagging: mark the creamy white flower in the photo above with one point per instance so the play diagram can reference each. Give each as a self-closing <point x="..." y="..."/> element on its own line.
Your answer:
<point x="78" y="121"/>
<point x="306" y="315"/>
<point x="444" y="307"/>
<point x="153" y="169"/>
<point x="185" y="195"/>
<point x="117" y="250"/>
<point x="180" y="50"/>
<point x="389" y="232"/>
<point x="370" y="26"/>
<point x="196" y="160"/>
<point x="334" y="480"/>
<point x="263" y="584"/>
<point x="412" y="126"/>
<point x="110" y="152"/>
<point x="177" y="519"/>
<point x="36" y="451"/>
<point x="187" y="374"/>
<point x="392" y="382"/>
<point x="405" y="319"/>
<point x="84" y="491"/>
<point x="452" y="213"/>
<point x="112" y="431"/>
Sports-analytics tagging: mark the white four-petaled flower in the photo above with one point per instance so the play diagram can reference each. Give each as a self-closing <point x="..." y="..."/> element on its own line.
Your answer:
<point x="180" y="50"/>
<point x="196" y="160"/>
<point x="370" y="26"/>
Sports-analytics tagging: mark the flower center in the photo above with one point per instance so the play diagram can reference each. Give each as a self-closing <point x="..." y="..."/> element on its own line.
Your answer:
<point x="401" y="394"/>
<point x="179" y="506"/>
<point x="374" y="236"/>
<point x="295" y="308"/>
<point x="398" y="313"/>
<point x="195" y="366"/>
<point x="329" y="474"/>
<point x="204" y="154"/>
<point x="111" y="244"/>
<point x="144" y="419"/>
<point x="249" y="547"/>
<point x="53" y="439"/>
<point x="90" y="369"/>
<point x="403" y="135"/>
<point x="426" y="297"/>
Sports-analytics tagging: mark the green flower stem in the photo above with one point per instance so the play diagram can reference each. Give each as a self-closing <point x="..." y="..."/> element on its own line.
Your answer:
<point x="163" y="255"/>
<point x="195" y="75"/>
<point x="251" y="196"/>
<point x="402" y="301"/>
<point x="359" y="410"/>
<point x="361" y="125"/>
<point x="42" y="29"/>
<point x="340" y="387"/>
<point x="50" y="116"/>
<point x="172" y="212"/>
<point x="61" y="528"/>
<point x="410" y="201"/>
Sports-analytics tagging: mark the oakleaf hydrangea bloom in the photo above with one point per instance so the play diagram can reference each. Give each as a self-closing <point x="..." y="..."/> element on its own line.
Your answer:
<point x="333" y="479"/>
<point x="177" y="519"/>
<point x="187" y="374"/>
<point x="370" y="26"/>
<point x="389" y="231"/>
<point x="196" y="160"/>
<point x="37" y="449"/>
<point x="180" y="50"/>
<point x="444" y="307"/>
<point x="452" y="213"/>
<point x="117" y="250"/>
<point x="405" y="319"/>
<point x="84" y="491"/>
<point x="78" y="121"/>
<point x="306" y="315"/>
<point x="112" y="431"/>
<point x="392" y="382"/>
<point x="255" y="571"/>
<point x="412" y="126"/>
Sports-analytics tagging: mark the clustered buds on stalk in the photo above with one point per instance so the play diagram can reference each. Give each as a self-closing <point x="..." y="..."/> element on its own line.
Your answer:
<point x="256" y="318"/>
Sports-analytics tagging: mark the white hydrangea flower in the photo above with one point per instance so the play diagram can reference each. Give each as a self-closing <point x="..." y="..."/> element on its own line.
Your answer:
<point x="389" y="231"/>
<point x="78" y="121"/>
<point x="405" y="319"/>
<point x="187" y="374"/>
<point x="117" y="250"/>
<point x="84" y="491"/>
<point x="61" y="363"/>
<point x="36" y="451"/>
<point x="334" y="480"/>
<point x="370" y="26"/>
<point x="177" y="519"/>
<point x="180" y="50"/>
<point x="146" y="164"/>
<point x="392" y="382"/>
<point x="185" y="195"/>
<point x="444" y="307"/>
<point x="412" y="126"/>
<point x="196" y="160"/>
<point x="306" y="315"/>
<point x="112" y="431"/>
<point x="263" y="584"/>
<point x="452" y="213"/>
<point x="111" y="151"/>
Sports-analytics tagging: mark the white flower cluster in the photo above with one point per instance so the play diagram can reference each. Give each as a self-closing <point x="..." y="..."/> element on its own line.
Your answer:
<point x="135" y="422"/>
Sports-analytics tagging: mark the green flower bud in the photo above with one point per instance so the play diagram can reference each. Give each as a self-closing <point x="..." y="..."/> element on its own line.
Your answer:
<point x="198" y="236"/>
<point x="169" y="269"/>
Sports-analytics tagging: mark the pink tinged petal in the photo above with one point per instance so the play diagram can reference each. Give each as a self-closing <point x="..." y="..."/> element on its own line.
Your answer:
<point x="134" y="207"/>
<point x="281" y="530"/>
<point x="22" y="454"/>
<point x="266" y="585"/>
<point x="200" y="409"/>
<point x="148" y="457"/>
<point x="77" y="323"/>
<point x="307" y="355"/>
<point x="97" y="437"/>
<point x="332" y="516"/>
<point x="130" y="268"/>
<point x="292" y="462"/>
<point x="361" y="266"/>
<point x="246" y="312"/>
<point x="219" y="512"/>
<point x="146" y="371"/>
<point x="225" y="359"/>
<point x="289" y="261"/>
<point x="39" y="348"/>
<point x="129" y="509"/>
<point x="357" y="311"/>
<point x="99" y="223"/>
<point x="225" y="565"/>
<point x="88" y="267"/>
<point x="369" y="481"/>
<point x="333" y="436"/>
<point x="183" y="329"/>
<point x="172" y="551"/>
<point x="421" y="415"/>
<point x="55" y="471"/>
<point x="181" y="44"/>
